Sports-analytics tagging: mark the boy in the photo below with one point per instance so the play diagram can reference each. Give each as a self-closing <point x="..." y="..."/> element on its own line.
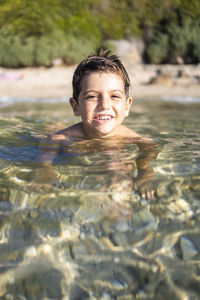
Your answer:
<point x="101" y="99"/>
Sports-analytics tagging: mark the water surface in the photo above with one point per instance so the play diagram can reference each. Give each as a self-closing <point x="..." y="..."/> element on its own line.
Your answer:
<point x="82" y="231"/>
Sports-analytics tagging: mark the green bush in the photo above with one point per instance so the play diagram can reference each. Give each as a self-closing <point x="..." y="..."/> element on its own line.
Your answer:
<point x="108" y="45"/>
<point x="180" y="40"/>
<point x="176" y="40"/>
<point x="12" y="49"/>
<point x="17" y="51"/>
<point x="194" y="43"/>
<point x="47" y="48"/>
<point x="78" y="48"/>
<point x="157" y="51"/>
<point x="83" y="36"/>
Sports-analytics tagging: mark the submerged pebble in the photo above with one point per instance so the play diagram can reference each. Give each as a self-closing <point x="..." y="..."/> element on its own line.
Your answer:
<point x="31" y="252"/>
<point x="187" y="248"/>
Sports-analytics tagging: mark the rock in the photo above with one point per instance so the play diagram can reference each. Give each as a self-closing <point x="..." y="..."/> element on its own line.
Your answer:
<point x="182" y="74"/>
<point x="163" y="79"/>
<point x="144" y="221"/>
<point x="179" y="60"/>
<point x="57" y="62"/>
<point x="129" y="51"/>
<point x="79" y="292"/>
<point x="187" y="248"/>
<point x="31" y="252"/>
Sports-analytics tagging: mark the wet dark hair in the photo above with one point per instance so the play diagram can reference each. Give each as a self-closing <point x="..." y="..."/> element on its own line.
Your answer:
<point x="101" y="62"/>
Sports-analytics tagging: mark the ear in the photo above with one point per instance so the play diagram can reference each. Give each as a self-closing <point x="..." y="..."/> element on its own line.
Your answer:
<point x="128" y="106"/>
<point x="75" y="107"/>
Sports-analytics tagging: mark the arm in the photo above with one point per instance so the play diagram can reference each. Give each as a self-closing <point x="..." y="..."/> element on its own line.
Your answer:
<point x="45" y="175"/>
<point x="49" y="148"/>
<point x="143" y="181"/>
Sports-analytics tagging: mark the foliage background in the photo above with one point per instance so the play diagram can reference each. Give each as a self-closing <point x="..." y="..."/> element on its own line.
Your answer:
<point x="34" y="32"/>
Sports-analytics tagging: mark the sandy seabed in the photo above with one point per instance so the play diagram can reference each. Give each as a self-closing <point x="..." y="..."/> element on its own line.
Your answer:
<point x="147" y="81"/>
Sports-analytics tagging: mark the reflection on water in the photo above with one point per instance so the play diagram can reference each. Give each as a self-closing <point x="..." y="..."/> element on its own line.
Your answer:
<point x="82" y="231"/>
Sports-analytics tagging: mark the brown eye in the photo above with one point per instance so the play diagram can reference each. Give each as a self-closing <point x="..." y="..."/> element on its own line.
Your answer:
<point x="116" y="97"/>
<point x="91" y="97"/>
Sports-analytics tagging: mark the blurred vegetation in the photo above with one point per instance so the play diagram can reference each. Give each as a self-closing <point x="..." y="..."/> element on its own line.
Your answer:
<point x="35" y="32"/>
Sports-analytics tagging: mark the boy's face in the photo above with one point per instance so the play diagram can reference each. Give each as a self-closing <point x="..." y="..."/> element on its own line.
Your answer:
<point x="102" y="104"/>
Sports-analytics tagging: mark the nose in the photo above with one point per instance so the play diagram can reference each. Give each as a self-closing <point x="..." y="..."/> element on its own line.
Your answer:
<point x="104" y="103"/>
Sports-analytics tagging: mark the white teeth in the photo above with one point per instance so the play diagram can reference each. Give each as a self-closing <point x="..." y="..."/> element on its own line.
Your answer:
<point x="104" y="118"/>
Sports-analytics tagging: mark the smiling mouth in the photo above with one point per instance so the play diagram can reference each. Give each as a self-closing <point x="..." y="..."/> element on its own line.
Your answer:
<point x="103" y="117"/>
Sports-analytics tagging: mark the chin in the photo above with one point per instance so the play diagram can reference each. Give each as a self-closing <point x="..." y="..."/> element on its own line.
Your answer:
<point x="102" y="131"/>
<point x="105" y="133"/>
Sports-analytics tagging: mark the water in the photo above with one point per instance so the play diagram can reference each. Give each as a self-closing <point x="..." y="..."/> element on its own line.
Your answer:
<point x="80" y="230"/>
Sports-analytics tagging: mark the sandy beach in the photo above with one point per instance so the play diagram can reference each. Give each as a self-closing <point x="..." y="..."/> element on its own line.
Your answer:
<point x="152" y="81"/>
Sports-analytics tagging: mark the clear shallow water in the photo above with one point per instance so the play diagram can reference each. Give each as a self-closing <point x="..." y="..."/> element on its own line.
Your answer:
<point x="82" y="231"/>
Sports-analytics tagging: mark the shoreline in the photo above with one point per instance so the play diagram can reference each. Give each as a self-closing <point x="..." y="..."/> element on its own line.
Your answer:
<point x="147" y="81"/>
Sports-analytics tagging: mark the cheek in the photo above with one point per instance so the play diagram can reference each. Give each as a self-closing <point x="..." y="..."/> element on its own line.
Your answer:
<point x="120" y="107"/>
<point x="87" y="109"/>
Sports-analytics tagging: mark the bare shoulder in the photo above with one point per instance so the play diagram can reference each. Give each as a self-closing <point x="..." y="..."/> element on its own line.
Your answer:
<point x="143" y="143"/>
<point x="56" y="138"/>
<point x="129" y="133"/>
<point x="65" y="135"/>
<point x="61" y="137"/>
<point x="72" y="131"/>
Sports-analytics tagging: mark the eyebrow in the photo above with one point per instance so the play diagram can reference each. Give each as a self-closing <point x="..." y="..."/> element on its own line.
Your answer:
<point x="94" y="91"/>
<point x="90" y="91"/>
